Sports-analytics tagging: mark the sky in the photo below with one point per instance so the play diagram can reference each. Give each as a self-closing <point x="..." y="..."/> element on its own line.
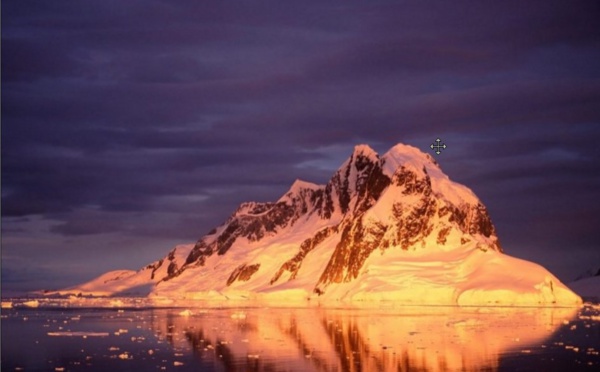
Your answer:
<point x="131" y="126"/>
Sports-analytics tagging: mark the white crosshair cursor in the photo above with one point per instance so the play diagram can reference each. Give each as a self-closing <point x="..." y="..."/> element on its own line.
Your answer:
<point x="438" y="146"/>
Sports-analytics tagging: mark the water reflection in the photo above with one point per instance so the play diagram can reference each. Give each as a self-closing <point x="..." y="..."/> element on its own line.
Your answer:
<point x="433" y="338"/>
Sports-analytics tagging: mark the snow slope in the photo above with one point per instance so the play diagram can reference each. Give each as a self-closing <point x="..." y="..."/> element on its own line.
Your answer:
<point x="390" y="228"/>
<point x="133" y="283"/>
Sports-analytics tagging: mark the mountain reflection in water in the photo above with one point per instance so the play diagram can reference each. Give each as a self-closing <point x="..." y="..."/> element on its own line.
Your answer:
<point x="419" y="338"/>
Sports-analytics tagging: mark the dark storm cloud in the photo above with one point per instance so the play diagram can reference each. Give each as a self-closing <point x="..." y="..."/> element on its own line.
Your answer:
<point x="127" y="180"/>
<point x="156" y="118"/>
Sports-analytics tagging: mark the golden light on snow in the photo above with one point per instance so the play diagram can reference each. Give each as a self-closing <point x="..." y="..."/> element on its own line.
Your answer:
<point x="389" y="228"/>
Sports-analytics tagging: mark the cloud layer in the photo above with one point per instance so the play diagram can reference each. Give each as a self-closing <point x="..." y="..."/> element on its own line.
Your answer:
<point x="128" y="126"/>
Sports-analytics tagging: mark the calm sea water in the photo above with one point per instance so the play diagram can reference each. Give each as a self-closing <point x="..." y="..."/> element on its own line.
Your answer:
<point x="307" y="339"/>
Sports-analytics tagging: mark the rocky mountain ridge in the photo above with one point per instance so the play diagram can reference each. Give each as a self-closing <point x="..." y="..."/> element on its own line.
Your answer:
<point x="328" y="242"/>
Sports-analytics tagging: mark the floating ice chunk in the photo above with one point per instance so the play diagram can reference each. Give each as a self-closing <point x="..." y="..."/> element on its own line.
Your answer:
<point x="238" y="315"/>
<point x="7" y="304"/>
<point x="177" y="363"/>
<point x="116" y="303"/>
<point x="125" y="355"/>
<point x="253" y="356"/>
<point x="186" y="312"/>
<point x="592" y="305"/>
<point x="32" y="303"/>
<point x="77" y="334"/>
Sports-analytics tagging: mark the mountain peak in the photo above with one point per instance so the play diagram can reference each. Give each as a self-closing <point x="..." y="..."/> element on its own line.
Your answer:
<point x="364" y="149"/>
<point x="300" y="185"/>
<point x="403" y="155"/>
<point x="383" y="228"/>
<point x="423" y="165"/>
<point x="300" y="189"/>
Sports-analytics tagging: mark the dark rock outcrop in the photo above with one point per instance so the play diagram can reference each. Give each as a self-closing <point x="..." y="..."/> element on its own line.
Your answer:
<point x="294" y="264"/>
<point x="243" y="273"/>
<point x="414" y="215"/>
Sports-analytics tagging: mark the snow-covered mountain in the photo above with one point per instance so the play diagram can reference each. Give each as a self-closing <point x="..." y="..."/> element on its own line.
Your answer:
<point x="391" y="227"/>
